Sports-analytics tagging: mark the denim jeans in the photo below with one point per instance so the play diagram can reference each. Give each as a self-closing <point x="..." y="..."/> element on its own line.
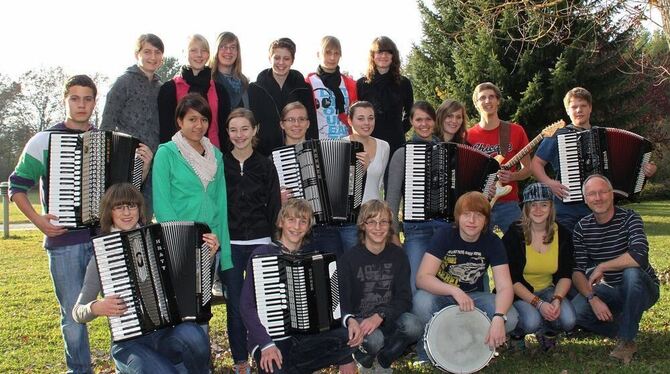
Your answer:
<point x="427" y="304"/>
<point x="326" y="238"/>
<point x="233" y="279"/>
<point x="417" y="239"/>
<point x="180" y="349"/>
<point x="627" y="302"/>
<point x="504" y="214"/>
<point x="531" y="321"/>
<point x="349" y="236"/>
<point x="392" y="338"/>
<point x="309" y="353"/>
<point x="67" y="265"/>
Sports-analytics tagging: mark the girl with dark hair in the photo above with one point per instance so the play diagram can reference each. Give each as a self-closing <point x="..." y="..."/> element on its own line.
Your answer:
<point x="169" y="350"/>
<point x="190" y="171"/>
<point x="253" y="196"/>
<point x="389" y="92"/>
<point x="194" y="77"/>
<point x="417" y="234"/>
<point x="274" y="88"/>
<point x="226" y="65"/>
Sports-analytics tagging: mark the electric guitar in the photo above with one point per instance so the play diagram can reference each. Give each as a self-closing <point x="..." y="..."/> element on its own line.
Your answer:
<point x="502" y="190"/>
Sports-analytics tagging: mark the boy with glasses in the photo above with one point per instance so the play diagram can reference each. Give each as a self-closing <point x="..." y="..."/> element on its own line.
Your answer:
<point x="374" y="287"/>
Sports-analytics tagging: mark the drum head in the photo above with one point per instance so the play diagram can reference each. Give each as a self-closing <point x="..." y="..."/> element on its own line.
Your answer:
<point x="454" y="340"/>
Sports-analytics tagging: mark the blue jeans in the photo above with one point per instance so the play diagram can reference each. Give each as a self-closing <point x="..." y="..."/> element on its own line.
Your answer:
<point x="328" y="239"/>
<point x="180" y="349"/>
<point x="531" y="321"/>
<point x="417" y="240"/>
<point x="233" y="279"/>
<point x="309" y="353"/>
<point x="504" y="214"/>
<point x="391" y="339"/>
<point x="67" y="265"/>
<point x="426" y="304"/>
<point x="627" y="302"/>
<point x="349" y="236"/>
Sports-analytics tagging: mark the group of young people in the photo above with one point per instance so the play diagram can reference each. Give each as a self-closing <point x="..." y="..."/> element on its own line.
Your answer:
<point x="206" y="136"/>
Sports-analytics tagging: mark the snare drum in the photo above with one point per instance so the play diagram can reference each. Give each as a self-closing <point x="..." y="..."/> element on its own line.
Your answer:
<point x="454" y="340"/>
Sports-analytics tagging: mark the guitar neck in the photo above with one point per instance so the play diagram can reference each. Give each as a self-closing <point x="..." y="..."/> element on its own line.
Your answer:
<point x="523" y="152"/>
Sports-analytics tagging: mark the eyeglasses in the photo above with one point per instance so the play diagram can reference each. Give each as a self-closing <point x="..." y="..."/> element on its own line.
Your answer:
<point x="373" y="223"/>
<point x="121" y="207"/>
<point x="592" y="194"/>
<point x="230" y="48"/>
<point x="293" y="120"/>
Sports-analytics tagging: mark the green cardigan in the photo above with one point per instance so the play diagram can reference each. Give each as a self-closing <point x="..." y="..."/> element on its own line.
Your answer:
<point x="178" y="195"/>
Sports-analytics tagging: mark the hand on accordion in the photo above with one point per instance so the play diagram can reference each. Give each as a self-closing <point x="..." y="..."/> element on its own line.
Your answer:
<point x="285" y="194"/>
<point x="111" y="305"/>
<point x="557" y="188"/>
<point x="363" y="158"/>
<point x="48" y="224"/>
<point x="212" y="241"/>
<point x="145" y="154"/>
<point x="649" y="169"/>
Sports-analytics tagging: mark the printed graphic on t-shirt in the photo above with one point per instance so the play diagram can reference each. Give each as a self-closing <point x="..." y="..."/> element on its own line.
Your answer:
<point x="463" y="269"/>
<point x="492" y="149"/>
<point x="377" y="280"/>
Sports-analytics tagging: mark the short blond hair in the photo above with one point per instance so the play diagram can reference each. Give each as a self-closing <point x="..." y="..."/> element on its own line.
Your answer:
<point x="372" y="209"/>
<point x="295" y="208"/>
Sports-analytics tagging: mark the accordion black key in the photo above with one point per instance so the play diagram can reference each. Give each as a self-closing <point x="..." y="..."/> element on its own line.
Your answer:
<point x="327" y="174"/>
<point x="296" y="293"/>
<point x="161" y="271"/>
<point x="82" y="167"/>
<point x="437" y="174"/>
<point x="615" y="153"/>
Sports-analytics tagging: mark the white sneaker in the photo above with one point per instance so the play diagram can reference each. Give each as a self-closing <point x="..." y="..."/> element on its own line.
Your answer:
<point x="217" y="288"/>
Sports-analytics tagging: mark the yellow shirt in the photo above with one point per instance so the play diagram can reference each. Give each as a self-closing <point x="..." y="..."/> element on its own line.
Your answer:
<point x="541" y="266"/>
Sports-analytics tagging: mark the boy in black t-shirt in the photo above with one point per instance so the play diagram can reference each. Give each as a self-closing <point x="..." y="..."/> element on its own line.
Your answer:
<point x="453" y="268"/>
<point x="374" y="287"/>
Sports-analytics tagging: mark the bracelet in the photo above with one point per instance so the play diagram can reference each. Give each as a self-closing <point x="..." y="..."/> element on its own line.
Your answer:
<point x="535" y="301"/>
<point x="557" y="297"/>
<point x="539" y="304"/>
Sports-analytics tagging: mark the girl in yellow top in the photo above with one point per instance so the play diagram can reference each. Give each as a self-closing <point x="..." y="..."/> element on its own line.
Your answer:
<point x="540" y="261"/>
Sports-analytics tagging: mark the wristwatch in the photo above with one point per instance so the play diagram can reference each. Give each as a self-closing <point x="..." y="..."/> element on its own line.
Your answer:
<point x="501" y="315"/>
<point x="590" y="297"/>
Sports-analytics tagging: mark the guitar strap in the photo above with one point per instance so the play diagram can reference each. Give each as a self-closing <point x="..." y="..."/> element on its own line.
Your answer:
<point x="503" y="137"/>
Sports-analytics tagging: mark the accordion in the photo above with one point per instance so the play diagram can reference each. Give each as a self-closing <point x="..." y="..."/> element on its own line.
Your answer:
<point x="615" y="153"/>
<point x="296" y="293"/>
<point x="327" y="174"/>
<point x="437" y="174"/>
<point x="161" y="271"/>
<point x="82" y="167"/>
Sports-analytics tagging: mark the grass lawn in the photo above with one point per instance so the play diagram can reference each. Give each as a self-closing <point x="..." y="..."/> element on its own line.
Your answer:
<point x="15" y="215"/>
<point x="30" y="335"/>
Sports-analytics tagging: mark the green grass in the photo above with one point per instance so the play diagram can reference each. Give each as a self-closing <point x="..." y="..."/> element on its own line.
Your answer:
<point x="30" y="335"/>
<point x="15" y="215"/>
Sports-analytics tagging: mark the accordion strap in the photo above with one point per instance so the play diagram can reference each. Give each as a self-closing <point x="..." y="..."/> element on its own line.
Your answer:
<point x="503" y="137"/>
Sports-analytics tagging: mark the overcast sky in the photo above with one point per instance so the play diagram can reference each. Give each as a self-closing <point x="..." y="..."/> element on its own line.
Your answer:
<point x="98" y="36"/>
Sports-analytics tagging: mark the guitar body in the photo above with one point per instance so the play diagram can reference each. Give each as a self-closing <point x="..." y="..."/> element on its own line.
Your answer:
<point x="502" y="190"/>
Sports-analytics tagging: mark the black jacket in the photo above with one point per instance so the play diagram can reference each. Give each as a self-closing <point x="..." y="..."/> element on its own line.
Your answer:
<point x="515" y="245"/>
<point x="253" y="196"/>
<point x="267" y="100"/>
<point x="167" y="103"/>
<point x="392" y="102"/>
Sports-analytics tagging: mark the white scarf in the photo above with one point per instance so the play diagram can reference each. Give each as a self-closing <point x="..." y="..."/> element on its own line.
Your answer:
<point x="204" y="166"/>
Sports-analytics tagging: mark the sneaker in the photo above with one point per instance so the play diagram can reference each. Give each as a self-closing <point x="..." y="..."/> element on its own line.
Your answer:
<point x="624" y="351"/>
<point x="217" y="288"/>
<point x="547" y="341"/>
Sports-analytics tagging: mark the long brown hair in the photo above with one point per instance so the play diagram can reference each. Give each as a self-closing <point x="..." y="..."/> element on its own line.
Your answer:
<point x="383" y="44"/>
<point x="225" y="38"/>
<point x="548" y="226"/>
<point x="443" y="111"/>
<point x="117" y="194"/>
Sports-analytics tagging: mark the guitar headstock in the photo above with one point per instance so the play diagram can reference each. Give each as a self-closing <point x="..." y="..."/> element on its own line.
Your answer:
<point x="551" y="129"/>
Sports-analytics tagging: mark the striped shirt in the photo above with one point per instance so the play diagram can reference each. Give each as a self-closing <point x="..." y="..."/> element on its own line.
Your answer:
<point x="596" y="243"/>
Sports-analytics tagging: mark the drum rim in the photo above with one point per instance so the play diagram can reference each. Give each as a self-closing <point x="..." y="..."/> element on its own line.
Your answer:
<point x="427" y="348"/>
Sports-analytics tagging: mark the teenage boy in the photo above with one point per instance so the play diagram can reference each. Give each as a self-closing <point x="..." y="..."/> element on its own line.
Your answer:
<point x="374" y="287"/>
<point x="296" y="353"/>
<point x="68" y="250"/>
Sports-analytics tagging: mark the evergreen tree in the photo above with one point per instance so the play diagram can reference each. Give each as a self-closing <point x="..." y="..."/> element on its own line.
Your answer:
<point x="535" y="54"/>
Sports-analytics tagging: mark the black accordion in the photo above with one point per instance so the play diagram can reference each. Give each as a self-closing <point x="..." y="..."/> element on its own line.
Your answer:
<point x="82" y="167"/>
<point x="436" y="175"/>
<point x="327" y="174"/>
<point x="162" y="272"/>
<point x="617" y="154"/>
<point x="296" y="293"/>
